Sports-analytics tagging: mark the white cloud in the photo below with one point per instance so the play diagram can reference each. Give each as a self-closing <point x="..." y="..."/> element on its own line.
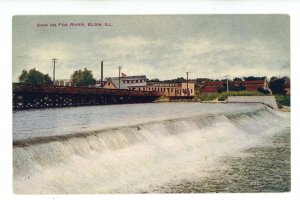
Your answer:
<point x="164" y="54"/>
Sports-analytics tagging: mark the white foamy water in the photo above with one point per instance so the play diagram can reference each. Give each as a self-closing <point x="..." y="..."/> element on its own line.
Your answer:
<point x="153" y="145"/>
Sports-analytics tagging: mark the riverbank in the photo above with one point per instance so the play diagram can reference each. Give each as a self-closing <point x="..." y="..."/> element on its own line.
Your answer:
<point x="283" y="101"/>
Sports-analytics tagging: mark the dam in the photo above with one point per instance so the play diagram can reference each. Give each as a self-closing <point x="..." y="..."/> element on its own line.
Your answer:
<point x="149" y="148"/>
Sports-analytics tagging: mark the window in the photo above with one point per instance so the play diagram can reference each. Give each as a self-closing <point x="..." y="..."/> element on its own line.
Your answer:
<point x="171" y="89"/>
<point x="191" y="91"/>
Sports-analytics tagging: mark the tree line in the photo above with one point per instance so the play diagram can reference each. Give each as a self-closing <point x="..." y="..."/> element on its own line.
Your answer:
<point x="276" y="84"/>
<point x="78" y="78"/>
<point x="85" y="78"/>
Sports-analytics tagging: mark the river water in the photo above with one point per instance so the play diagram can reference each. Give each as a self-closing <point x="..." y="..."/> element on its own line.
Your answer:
<point x="150" y="148"/>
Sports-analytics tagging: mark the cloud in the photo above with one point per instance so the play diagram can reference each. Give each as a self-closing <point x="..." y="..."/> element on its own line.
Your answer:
<point x="206" y="46"/>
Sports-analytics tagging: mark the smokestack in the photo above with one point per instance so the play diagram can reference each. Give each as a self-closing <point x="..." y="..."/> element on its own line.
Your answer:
<point x="102" y="73"/>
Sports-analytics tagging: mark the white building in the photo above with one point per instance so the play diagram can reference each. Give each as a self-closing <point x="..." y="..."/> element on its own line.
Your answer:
<point x="62" y="82"/>
<point x="130" y="81"/>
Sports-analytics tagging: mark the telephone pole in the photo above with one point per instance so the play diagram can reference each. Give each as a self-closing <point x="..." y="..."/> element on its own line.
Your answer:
<point x="227" y="82"/>
<point x="102" y="74"/>
<point x="54" y="60"/>
<point x="187" y="83"/>
<point x="120" y="67"/>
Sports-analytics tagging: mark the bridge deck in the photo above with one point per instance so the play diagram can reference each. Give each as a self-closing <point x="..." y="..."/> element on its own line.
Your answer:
<point x="27" y="96"/>
<point x="17" y="87"/>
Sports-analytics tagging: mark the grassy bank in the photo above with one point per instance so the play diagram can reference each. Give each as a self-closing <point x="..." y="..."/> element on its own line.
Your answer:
<point x="282" y="100"/>
<point x="223" y="96"/>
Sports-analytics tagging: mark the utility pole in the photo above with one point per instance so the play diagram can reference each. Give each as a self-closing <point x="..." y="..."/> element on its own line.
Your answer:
<point x="102" y="74"/>
<point x="227" y="82"/>
<point x="54" y="60"/>
<point x="187" y="84"/>
<point x="120" y="67"/>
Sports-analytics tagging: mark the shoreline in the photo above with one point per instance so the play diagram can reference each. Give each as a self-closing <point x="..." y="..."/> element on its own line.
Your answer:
<point x="281" y="108"/>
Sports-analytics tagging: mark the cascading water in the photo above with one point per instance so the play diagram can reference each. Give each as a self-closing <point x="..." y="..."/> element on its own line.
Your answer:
<point x="143" y="155"/>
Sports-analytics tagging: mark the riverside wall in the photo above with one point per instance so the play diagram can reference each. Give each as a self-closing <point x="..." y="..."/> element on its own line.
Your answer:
<point x="267" y="100"/>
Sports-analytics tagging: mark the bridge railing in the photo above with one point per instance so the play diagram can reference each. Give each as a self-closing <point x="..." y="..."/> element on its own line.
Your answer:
<point x="79" y="90"/>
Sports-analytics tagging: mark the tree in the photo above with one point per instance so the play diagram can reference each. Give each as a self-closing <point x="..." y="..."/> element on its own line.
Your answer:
<point x="153" y="80"/>
<point x="254" y="78"/>
<point x="237" y="79"/>
<point x="34" y="77"/>
<point x="277" y="85"/>
<point x="221" y="89"/>
<point x="83" y="78"/>
<point x="262" y="90"/>
<point x="237" y="87"/>
<point x="23" y="76"/>
<point x="177" y="80"/>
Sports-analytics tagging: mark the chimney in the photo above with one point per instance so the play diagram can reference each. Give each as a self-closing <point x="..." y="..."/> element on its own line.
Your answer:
<point x="102" y="74"/>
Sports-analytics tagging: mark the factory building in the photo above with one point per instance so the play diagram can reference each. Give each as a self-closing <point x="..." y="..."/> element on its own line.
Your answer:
<point x="253" y="85"/>
<point x="139" y="83"/>
<point x="167" y="88"/>
<point x="131" y="81"/>
<point x="62" y="82"/>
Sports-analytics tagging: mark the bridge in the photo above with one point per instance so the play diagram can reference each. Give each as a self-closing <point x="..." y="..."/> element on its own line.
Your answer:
<point x="31" y="96"/>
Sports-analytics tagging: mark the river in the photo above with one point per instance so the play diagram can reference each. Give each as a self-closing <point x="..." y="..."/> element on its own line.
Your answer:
<point x="151" y="148"/>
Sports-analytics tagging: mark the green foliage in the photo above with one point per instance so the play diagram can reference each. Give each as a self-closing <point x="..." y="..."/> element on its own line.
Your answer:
<point x="221" y="89"/>
<point x="206" y="97"/>
<point x="82" y="78"/>
<point x="237" y="79"/>
<point x="176" y="80"/>
<point x="153" y="80"/>
<point x="283" y="100"/>
<point x="277" y="85"/>
<point x="236" y="88"/>
<point x="223" y="96"/>
<point x="253" y="78"/>
<point x="34" y="77"/>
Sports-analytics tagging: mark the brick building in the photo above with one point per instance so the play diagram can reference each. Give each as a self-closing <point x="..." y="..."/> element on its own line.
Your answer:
<point x="213" y="86"/>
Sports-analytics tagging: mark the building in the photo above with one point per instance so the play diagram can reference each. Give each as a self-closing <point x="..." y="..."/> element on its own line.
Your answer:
<point x="131" y="81"/>
<point x="139" y="83"/>
<point x="212" y="86"/>
<point x="62" y="82"/>
<point x="253" y="85"/>
<point x="114" y="84"/>
<point x="168" y="89"/>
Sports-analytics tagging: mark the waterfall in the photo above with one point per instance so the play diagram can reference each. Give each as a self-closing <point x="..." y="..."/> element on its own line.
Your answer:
<point x="136" y="158"/>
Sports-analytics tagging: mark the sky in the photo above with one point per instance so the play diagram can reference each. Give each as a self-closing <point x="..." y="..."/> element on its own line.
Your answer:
<point x="158" y="46"/>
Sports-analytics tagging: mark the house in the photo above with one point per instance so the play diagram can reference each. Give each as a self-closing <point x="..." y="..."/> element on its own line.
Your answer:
<point x="114" y="84"/>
